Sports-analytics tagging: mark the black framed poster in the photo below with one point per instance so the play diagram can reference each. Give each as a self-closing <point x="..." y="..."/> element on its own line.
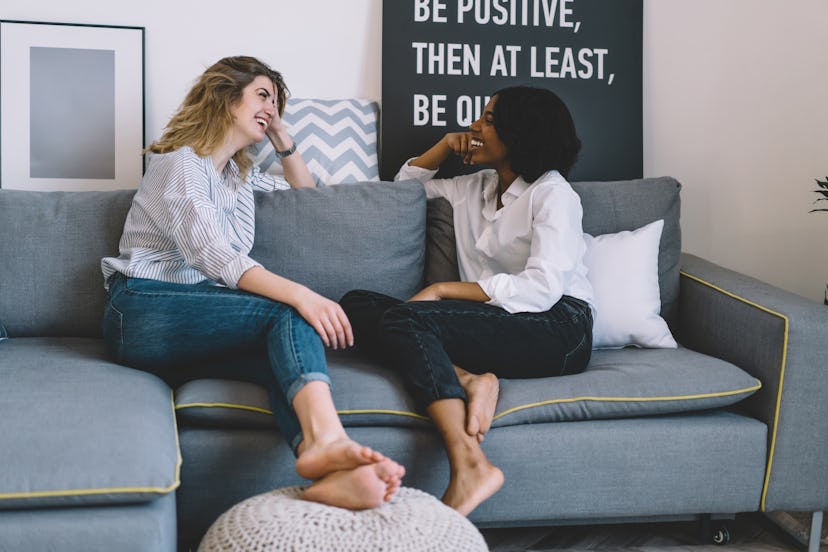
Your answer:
<point x="442" y="59"/>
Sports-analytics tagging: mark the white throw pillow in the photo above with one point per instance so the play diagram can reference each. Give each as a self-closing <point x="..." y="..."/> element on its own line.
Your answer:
<point x="623" y="271"/>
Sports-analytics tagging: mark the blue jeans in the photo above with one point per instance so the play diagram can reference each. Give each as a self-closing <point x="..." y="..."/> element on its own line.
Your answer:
<point x="422" y="339"/>
<point x="182" y="332"/>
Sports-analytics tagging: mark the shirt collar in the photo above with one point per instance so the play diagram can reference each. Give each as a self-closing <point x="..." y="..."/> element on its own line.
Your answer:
<point x="230" y="175"/>
<point x="490" y="194"/>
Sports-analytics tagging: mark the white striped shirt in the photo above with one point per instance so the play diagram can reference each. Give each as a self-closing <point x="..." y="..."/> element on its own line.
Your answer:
<point x="188" y="224"/>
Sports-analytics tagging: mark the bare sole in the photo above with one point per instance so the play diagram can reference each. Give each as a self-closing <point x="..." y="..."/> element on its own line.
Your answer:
<point x="482" y="391"/>
<point x="343" y="454"/>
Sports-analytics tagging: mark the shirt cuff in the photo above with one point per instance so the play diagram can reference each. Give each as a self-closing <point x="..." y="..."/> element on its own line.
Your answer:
<point x="232" y="271"/>
<point x="500" y="289"/>
<point x="408" y="172"/>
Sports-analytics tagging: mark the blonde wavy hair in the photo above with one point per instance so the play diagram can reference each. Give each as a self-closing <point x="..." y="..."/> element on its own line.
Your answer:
<point x="204" y="117"/>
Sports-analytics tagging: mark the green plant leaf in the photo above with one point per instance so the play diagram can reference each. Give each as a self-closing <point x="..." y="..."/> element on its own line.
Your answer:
<point x="823" y="191"/>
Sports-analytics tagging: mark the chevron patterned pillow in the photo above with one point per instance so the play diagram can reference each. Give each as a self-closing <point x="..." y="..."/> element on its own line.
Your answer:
<point x="337" y="139"/>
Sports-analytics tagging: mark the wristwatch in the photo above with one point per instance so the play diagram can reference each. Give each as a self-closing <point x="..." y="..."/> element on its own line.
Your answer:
<point x="287" y="152"/>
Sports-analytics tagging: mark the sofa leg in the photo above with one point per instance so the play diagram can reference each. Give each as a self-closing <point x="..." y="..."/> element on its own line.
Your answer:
<point x="816" y="532"/>
<point x="714" y="530"/>
<point x="705" y="529"/>
<point x="794" y="525"/>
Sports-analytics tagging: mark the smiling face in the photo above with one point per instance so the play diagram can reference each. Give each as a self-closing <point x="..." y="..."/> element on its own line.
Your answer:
<point x="487" y="147"/>
<point x="254" y="111"/>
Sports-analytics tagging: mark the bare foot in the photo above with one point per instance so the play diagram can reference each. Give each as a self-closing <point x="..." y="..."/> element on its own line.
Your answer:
<point x="360" y="488"/>
<point x="482" y="392"/>
<point x="318" y="460"/>
<point x="470" y="486"/>
<point x="392" y="473"/>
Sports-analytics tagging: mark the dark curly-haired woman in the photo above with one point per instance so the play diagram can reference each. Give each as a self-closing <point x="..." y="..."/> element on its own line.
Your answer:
<point x="523" y="307"/>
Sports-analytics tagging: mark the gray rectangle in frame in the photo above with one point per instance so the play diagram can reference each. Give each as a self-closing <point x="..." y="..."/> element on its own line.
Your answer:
<point x="72" y="113"/>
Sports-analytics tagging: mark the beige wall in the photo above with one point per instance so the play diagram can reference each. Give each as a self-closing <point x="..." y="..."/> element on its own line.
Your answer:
<point x="733" y="100"/>
<point x="735" y="107"/>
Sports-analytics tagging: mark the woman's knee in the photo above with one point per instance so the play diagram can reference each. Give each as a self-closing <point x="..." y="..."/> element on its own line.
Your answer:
<point x="403" y="318"/>
<point x="360" y="302"/>
<point x="355" y="295"/>
<point x="290" y="318"/>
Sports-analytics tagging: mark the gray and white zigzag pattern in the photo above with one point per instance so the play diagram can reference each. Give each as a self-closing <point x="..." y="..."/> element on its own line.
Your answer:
<point x="337" y="139"/>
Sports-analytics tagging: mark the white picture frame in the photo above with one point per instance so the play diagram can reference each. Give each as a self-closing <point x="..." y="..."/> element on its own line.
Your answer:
<point x="71" y="106"/>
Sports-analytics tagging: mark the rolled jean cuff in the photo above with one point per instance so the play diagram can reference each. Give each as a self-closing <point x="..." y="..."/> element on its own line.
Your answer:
<point x="302" y="381"/>
<point x="297" y="386"/>
<point x="446" y="391"/>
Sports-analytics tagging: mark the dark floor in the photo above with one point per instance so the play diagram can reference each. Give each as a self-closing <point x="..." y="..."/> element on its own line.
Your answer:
<point x="748" y="533"/>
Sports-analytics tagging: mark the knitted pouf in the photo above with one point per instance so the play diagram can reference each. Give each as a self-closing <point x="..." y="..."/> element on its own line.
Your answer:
<point x="280" y="520"/>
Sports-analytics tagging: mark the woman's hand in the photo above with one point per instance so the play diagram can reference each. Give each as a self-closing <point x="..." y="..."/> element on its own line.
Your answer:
<point x="295" y="170"/>
<point x="327" y="318"/>
<point x="453" y="143"/>
<point x="277" y="133"/>
<point x="460" y="144"/>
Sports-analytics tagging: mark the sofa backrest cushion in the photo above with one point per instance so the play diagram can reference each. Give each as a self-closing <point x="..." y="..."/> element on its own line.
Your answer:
<point x="368" y="235"/>
<point x="609" y="207"/>
<point x="50" y="259"/>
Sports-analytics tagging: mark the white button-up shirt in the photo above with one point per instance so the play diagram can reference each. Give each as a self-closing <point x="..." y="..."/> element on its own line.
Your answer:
<point x="527" y="254"/>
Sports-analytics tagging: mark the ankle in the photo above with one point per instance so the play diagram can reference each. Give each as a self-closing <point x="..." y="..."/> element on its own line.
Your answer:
<point x="318" y="440"/>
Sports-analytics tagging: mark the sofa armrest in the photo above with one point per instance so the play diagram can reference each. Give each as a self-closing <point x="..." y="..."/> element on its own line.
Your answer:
<point x="782" y="339"/>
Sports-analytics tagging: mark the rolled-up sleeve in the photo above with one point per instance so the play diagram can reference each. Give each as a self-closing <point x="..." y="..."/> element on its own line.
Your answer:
<point x="203" y="246"/>
<point x="196" y="228"/>
<point x="556" y="250"/>
<point x="410" y="172"/>
<point x="266" y="182"/>
<point x="446" y="188"/>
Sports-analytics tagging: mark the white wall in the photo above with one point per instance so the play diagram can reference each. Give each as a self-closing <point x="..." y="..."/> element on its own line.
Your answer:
<point x="733" y="100"/>
<point x="324" y="48"/>
<point x="735" y="107"/>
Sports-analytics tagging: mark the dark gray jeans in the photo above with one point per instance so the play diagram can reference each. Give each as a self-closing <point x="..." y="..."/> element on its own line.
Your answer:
<point x="422" y="339"/>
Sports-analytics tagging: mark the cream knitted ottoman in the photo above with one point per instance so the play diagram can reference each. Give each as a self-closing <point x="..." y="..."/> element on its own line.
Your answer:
<point x="280" y="520"/>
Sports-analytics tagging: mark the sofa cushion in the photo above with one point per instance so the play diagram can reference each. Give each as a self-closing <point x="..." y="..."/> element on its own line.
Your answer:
<point x="77" y="429"/>
<point x="144" y="527"/>
<point x="619" y="383"/>
<point x="626" y="383"/>
<point x="441" y="247"/>
<point x="337" y="139"/>
<point x="51" y="251"/>
<point x="369" y="235"/>
<point x="218" y="403"/>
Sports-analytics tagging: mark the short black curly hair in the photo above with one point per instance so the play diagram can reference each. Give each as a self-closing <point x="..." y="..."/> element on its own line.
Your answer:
<point x="537" y="129"/>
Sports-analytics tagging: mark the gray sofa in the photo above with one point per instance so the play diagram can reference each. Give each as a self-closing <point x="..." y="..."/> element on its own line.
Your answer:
<point x="96" y="456"/>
